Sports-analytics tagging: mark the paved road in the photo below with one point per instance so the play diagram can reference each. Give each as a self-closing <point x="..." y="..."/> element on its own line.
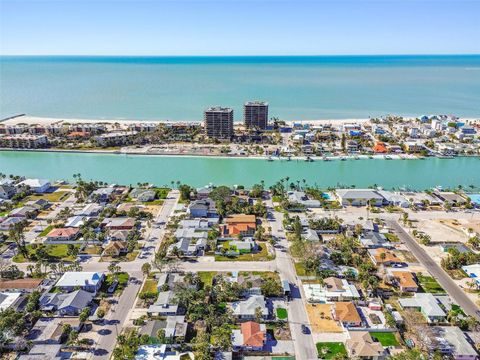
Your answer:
<point x="120" y="311"/>
<point x="435" y="270"/>
<point x="228" y="266"/>
<point x="297" y="315"/>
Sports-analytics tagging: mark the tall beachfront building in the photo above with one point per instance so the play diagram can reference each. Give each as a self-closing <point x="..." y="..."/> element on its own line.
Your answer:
<point x="255" y="114"/>
<point x="218" y="122"/>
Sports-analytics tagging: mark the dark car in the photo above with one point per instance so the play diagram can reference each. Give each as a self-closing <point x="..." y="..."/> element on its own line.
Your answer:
<point x="304" y="329"/>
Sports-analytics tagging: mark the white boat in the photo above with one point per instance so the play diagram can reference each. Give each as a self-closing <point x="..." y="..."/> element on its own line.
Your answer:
<point x="387" y="157"/>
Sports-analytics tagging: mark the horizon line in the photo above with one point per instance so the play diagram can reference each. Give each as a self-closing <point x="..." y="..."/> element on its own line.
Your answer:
<point x="250" y="55"/>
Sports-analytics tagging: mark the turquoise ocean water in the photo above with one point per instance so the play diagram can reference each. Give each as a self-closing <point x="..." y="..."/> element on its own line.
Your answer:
<point x="179" y="88"/>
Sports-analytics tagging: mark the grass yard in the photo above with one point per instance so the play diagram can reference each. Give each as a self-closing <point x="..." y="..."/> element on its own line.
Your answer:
<point x="56" y="196"/>
<point x="261" y="255"/>
<point x="392" y="237"/>
<point x="46" y="230"/>
<point x="150" y="286"/>
<point x="301" y="270"/>
<point x="429" y="284"/>
<point x="206" y="277"/>
<point x="385" y="338"/>
<point x="282" y="313"/>
<point x="327" y="350"/>
<point x="122" y="282"/>
<point x="55" y="252"/>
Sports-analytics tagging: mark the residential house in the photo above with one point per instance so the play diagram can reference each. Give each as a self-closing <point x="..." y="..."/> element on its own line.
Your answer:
<point x="76" y="221"/>
<point x="115" y="248"/>
<point x="450" y="341"/>
<point x="252" y="336"/>
<point x="88" y="281"/>
<point x="174" y="327"/>
<point x="20" y="285"/>
<point x="427" y="304"/>
<point x="8" y="299"/>
<point x="240" y="224"/>
<point x="38" y="186"/>
<point x="66" y="304"/>
<point x="24" y="212"/>
<point x="118" y="235"/>
<point x="188" y="246"/>
<point x="90" y="210"/>
<point x="383" y="256"/>
<point x="143" y="195"/>
<point x="334" y="289"/>
<point x="202" y="209"/>
<point x="359" y="197"/>
<point x="43" y="352"/>
<point x="50" y="330"/>
<point x="299" y="197"/>
<point x="39" y="204"/>
<point x="7" y="191"/>
<point x="405" y="281"/>
<point x="118" y="223"/>
<point x="360" y="345"/>
<point x="161" y="352"/>
<point x="246" y="309"/>
<point x="164" y="306"/>
<point x="103" y="195"/>
<point x="244" y="246"/>
<point x="346" y="312"/>
<point x="451" y="198"/>
<point x="310" y="235"/>
<point x="203" y="193"/>
<point x="63" y="235"/>
<point x="8" y="223"/>
<point x="374" y="240"/>
<point x="473" y="271"/>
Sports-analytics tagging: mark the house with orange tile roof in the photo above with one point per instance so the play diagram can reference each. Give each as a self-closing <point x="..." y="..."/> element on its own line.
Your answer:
<point x="251" y="336"/>
<point x="239" y="224"/>
<point x="63" y="234"/>
<point x="383" y="256"/>
<point x="346" y="312"/>
<point x="405" y="281"/>
<point x="380" y="148"/>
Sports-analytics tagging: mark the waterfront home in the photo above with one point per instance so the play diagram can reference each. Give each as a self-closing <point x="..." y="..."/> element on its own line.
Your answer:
<point x="202" y="209"/>
<point x="115" y="248"/>
<point x="421" y="199"/>
<point x="88" y="281"/>
<point x="473" y="271"/>
<point x="203" y="193"/>
<point x="359" y="197"/>
<point x="450" y="198"/>
<point x="333" y="289"/>
<point x="8" y="223"/>
<point x="118" y="235"/>
<point x="38" y="186"/>
<point x="9" y="299"/>
<point x="427" y="304"/>
<point x="164" y="306"/>
<point x="251" y="336"/>
<point x="115" y="138"/>
<point x="360" y="345"/>
<point x="346" y="312"/>
<point x="299" y="197"/>
<point x="118" y="223"/>
<point x="7" y="191"/>
<point x="394" y="199"/>
<point x="383" y="256"/>
<point x="23" y="212"/>
<point x="63" y="235"/>
<point x="20" y="285"/>
<point x="405" y="281"/>
<point x="143" y="195"/>
<point x="246" y="309"/>
<point x="66" y="304"/>
<point x="102" y="195"/>
<point x="380" y="148"/>
<point x="413" y="147"/>
<point x="375" y="240"/>
<point x="450" y="341"/>
<point x="239" y="224"/>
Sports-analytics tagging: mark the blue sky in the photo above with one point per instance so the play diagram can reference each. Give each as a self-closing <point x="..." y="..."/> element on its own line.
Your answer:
<point x="239" y="27"/>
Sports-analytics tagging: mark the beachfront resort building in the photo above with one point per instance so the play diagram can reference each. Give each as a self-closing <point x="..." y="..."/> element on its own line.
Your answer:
<point x="255" y="114"/>
<point x="218" y="122"/>
<point x="24" y="141"/>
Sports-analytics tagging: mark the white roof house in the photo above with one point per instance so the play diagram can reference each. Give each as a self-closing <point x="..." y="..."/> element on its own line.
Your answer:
<point x="247" y="308"/>
<point x="89" y="281"/>
<point x="316" y="293"/>
<point x="37" y="185"/>
<point x="427" y="304"/>
<point x="7" y="299"/>
<point x="451" y="340"/>
<point x="160" y="352"/>
<point x="473" y="271"/>
<point x="359" y="197"/>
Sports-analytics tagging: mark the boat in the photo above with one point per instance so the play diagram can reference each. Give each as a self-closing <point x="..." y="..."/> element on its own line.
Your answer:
<point x="357" y="157"/>
<point x="308" y="159"/>
<point x="269" y="158"/>
<point x="387" y="157"/>
<point x="289" y="158"/>
<point x="343" y="158"/>
<point x="370" y="156"/>
<point x="445" y="156"/>
<point x="325" y="158"/>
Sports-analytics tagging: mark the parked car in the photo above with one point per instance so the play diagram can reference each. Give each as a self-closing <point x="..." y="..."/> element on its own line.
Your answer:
<point x="305" y="329"/>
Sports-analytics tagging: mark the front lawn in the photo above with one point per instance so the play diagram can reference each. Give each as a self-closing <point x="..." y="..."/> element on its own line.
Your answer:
<point x="55" y="196"/>
<point x="301" y="270"/>
<point x="261" y="254"/>
<point x="55" y="252"/>
<point x="122" y="278"/>
<point x="282" y="313"/>
<point x="150" y="286"/>
<point x="385" y="338"/>
<point x="206" y="277"/>
<point x="327" y="350"/>
<point x="46" y="230"/>
<point x="429" y="284"/>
